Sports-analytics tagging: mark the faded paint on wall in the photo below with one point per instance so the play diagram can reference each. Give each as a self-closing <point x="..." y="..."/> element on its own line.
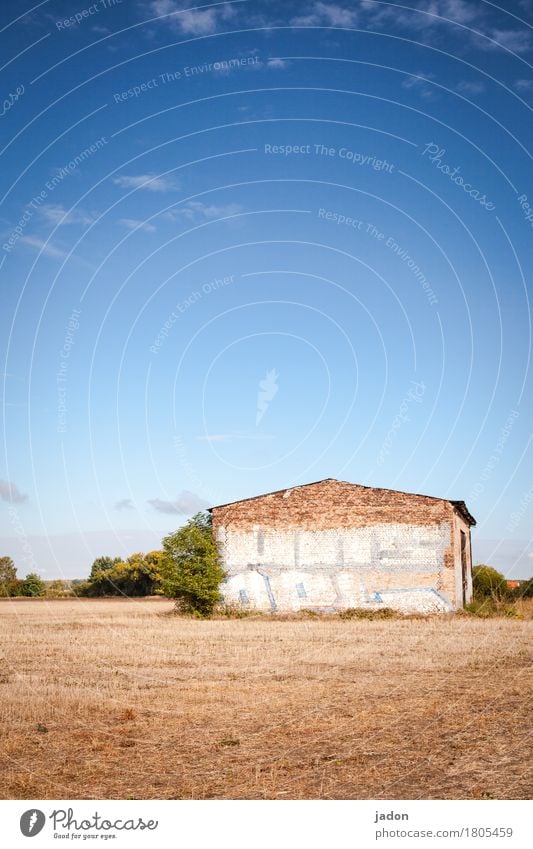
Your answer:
<point x="332" y="569"/>
<point x="333" y="545"/>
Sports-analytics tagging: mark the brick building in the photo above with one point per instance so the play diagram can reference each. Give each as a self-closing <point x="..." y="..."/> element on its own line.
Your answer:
<point x="330" y="545"/>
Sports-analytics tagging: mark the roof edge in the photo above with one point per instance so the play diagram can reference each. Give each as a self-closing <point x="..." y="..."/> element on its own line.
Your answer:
<point x="459" y="505"/>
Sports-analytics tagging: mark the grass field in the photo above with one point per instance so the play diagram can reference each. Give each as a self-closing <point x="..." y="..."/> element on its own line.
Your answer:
<point x="117" y="699"/>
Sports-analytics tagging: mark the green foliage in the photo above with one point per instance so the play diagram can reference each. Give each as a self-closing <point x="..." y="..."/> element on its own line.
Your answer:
<point x="136" y="576"/>
<point x="10" y="589"/>
<point x="191" y="570"/>
<point x="488" y="583"/>
<point x="490" y="608"/>
<point x="56" y="589"/>
<point x="103" y="564"/>
<point x="33" y="585"/>
<point x="8" y="571"/>
<point x="525" y="590"/>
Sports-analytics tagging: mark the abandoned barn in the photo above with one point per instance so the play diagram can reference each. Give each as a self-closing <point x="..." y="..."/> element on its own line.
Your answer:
<point x="331" y="545"/>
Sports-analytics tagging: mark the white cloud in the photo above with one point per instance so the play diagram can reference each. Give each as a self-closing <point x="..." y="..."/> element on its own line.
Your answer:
<point x="192" y="21"/>
<point x="43" y="247"/>
<point x="186" y="503"/>
<point x="329" y="14"/>
<point x="55" y="213"/>
<point x="277" y="63"/>
<point x="232" y="437"/>
<point x="149" y="182"/>
<point x="523" y="85"/>
<point x="134" y="224"/>
<point x="194" y="210"/>
<point x="420" y="84"/>
<point x="470" y="87"/>
<point x="517" y="41"/>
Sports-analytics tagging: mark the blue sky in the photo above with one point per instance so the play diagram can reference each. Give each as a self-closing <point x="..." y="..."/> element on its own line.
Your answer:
<point x="248" y="245"/>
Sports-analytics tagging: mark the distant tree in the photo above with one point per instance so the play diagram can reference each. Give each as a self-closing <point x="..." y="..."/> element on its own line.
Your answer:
<point x="103" y="564"/>
<point x="488" y="583"/>
<point x="191" y="570"/>
<point x="136" y="576"/>
<point x="9" y="584"/>
<point x="33" y="585"/>
<point x="8" y="571"/>
<point x="55" y="589"/>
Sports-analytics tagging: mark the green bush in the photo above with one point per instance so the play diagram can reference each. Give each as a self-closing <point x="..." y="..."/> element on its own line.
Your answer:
<point x="191" y="570"/>
<point x="488" y="583"/>
<point x="33" y="585"/>
<point x="525" y="590"/>
<point x="136" y="576"/>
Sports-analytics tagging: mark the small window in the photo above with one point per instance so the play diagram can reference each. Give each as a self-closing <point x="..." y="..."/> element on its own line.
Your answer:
<point x="300" y="589"/>
<point x="377" y="597"/>
<point x="243" y="596"/>
<point x="260" y="542"/>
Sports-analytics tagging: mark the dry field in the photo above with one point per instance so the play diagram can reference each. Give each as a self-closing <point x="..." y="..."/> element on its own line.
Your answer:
<point x="117" y="699"/>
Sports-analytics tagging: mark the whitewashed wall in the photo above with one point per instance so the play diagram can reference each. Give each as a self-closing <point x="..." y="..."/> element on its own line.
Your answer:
<point x="392" y="565"/>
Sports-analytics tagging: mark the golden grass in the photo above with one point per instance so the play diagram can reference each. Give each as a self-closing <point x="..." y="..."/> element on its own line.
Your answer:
<point x="115" y="699"/>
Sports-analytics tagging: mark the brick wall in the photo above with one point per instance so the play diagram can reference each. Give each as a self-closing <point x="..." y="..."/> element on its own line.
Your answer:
<point x="332" y="544"/>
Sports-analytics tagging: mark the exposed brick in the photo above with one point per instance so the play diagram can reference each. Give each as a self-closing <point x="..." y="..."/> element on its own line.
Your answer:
<point x="333" y="544"/>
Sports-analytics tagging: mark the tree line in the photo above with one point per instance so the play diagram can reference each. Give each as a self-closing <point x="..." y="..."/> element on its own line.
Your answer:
<point x="187" y="568"/>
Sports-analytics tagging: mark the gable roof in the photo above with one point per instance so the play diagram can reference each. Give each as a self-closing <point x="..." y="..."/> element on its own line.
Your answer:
<point x="460" y="506"/>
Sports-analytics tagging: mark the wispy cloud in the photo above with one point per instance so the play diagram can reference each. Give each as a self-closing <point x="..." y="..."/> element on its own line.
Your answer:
<point x="149" y="182"/>
<point x="186" y="503"/>
<point x="56" y="214"/>
<point x="329" y="14"/>
<point x="135" y="224"/>
<point x="124" y="504"/>
<point x="232" y="437"/>
<point x="523" y="85"/>
<point x="10" y="492"/>
<point x="515" y="40"/>
<point x="277" y="63"/>
<point x="192" y="21"/>
<point x="195" y="210"/>
<point x="470" y="87"/>
<point x="43" y="247"/>
<point x="419" y="83"/>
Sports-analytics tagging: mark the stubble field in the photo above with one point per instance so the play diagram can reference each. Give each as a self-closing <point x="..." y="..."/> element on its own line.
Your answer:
<point x="118" y="699"/>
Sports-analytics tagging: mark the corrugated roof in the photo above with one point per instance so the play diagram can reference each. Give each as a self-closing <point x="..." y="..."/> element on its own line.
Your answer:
<point x="459" y="505"/>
